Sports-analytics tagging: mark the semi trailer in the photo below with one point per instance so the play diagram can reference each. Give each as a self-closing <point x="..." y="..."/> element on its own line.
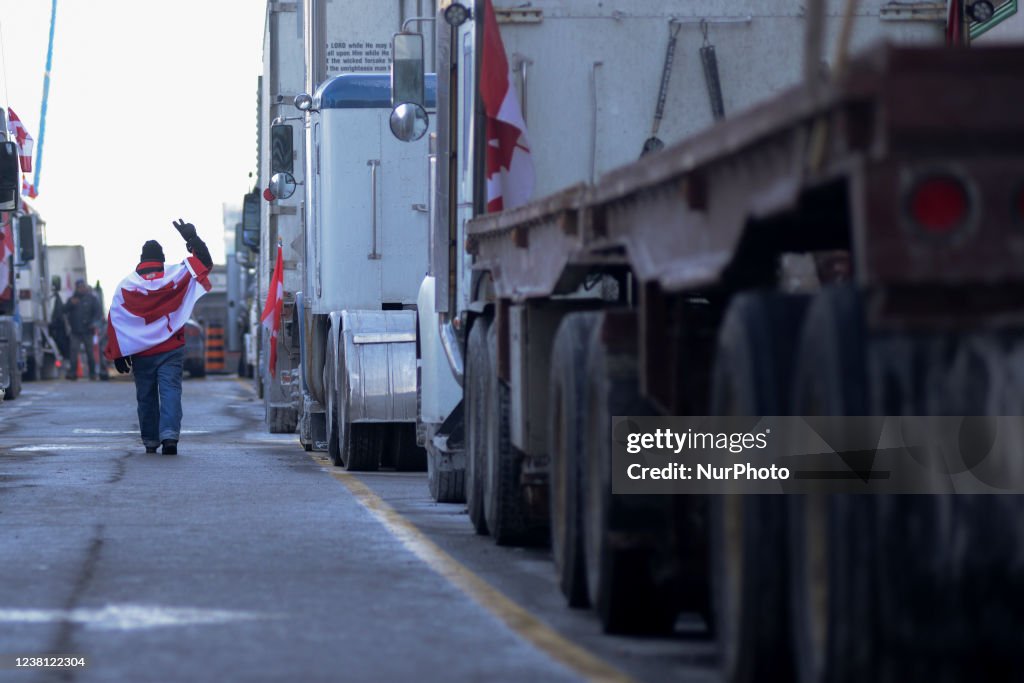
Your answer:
<point x="843" y="245"/>
<point x="591" y="103"/>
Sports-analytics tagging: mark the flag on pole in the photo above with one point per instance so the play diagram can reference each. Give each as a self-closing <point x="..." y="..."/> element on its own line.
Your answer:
<point x="28" y="189"/>
<point x="6" y="250"/>
<point x="956" y="34"/>
<point x="24" y="140"/>
<point x="145" y="313"/>
<point x="510" y="175"/>
<point x="272" y="309"/>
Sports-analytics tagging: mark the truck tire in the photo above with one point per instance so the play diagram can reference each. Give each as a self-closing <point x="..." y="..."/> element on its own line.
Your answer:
<point x="752" y="375"/>
<point x="477" y="371"/>
<point x="408" y="455"/>
<point x="392" y="445"/>
<point x="31" y="373"/>
<point x="445" y="485"/>
<point x="361" y="444"/>
<point x="948" y="570"/>
<point x="565" y="447"/>
<point x="831" y="548"/>
<point x="621" y="582"/>
<point x="365" y="444"/>
<point x="504" y="507"/>
<point x="14" y="389"/>
<point x="331" y="409"/>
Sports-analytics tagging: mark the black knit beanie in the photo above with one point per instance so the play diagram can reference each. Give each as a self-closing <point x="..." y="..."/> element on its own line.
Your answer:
<point x="152" y="251"/>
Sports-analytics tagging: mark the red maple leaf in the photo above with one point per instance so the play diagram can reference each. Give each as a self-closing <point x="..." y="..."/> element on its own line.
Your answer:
<point x="156" y="303"/>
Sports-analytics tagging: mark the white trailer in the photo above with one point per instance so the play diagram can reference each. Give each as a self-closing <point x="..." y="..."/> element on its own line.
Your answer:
<point x="590" y="77"/>
<point x="66" y="263"/>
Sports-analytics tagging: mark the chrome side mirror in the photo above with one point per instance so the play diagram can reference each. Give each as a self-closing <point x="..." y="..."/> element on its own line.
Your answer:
<point x="303" y="102"/>
<point x="409" y="121"/>
<point x="282" y="185"/>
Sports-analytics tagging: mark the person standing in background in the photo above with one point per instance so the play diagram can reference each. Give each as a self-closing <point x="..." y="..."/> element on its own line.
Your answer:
<point x="81" y="311"/>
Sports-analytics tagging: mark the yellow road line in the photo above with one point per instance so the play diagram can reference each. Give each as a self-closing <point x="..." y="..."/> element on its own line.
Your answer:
<point x="494" y="601"/>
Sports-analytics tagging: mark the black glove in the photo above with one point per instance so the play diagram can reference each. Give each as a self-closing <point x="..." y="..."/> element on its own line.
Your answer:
<point x="187" y="230"/>
<point x="123" y="365"/>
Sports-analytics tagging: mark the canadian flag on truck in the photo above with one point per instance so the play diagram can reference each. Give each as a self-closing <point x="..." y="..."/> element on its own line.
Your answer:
<point x="955" y="29"/>
<point x="6" y="250"/>
<point x="272" y="309"/>
<point x="509" y="163"/>
<point x="24" y="140"/>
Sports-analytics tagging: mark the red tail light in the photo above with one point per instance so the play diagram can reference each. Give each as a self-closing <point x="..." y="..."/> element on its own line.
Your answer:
<point x="939" y="204"/>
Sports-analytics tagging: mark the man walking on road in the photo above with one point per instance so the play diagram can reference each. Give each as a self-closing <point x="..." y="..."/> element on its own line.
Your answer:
<point x="82" y="311"/>
<point x="145" y="333"/>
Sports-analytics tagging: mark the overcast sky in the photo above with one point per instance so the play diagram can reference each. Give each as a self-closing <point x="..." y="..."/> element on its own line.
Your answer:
<point x="151" y="117"/>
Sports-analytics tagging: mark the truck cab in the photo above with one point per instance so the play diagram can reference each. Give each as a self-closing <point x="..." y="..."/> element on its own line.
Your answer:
<point x="366" y="217"/>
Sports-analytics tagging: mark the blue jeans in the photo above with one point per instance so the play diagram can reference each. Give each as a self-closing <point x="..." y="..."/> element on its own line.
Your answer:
<point x="158" y="391"/>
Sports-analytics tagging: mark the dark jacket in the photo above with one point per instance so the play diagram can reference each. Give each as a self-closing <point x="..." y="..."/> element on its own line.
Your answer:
<point x="82" y="312"/>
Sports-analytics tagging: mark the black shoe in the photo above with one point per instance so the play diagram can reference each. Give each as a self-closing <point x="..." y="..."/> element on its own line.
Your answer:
<point x="70" y="378"/>
<point x="151" y="449"/>
<point x="170" y="447"/>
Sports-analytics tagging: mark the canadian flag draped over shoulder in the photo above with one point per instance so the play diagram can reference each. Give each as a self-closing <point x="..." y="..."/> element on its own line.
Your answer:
<point x="144" y="313"/>
<point x="510" y="174"/>
<point x="272" y="309"/>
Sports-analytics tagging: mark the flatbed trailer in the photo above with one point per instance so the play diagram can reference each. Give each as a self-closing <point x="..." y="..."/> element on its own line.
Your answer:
<point x="850" y="247"/>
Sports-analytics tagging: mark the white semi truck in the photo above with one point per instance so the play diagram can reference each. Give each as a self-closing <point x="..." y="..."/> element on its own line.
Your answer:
<point x="265" y="223"/>
<point x="35" y="298"/>
<point x="305" y="44"/>
<point x="29" y="302"/>
<point x="349" y="311"/>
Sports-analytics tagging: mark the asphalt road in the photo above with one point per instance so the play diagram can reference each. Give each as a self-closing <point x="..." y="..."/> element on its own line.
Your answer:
<point x="243" y="558"/>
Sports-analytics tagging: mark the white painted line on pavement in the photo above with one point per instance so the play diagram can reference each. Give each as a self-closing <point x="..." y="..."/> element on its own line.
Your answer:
<point x="60" y="447"/>
<point x="129" y="617"/>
